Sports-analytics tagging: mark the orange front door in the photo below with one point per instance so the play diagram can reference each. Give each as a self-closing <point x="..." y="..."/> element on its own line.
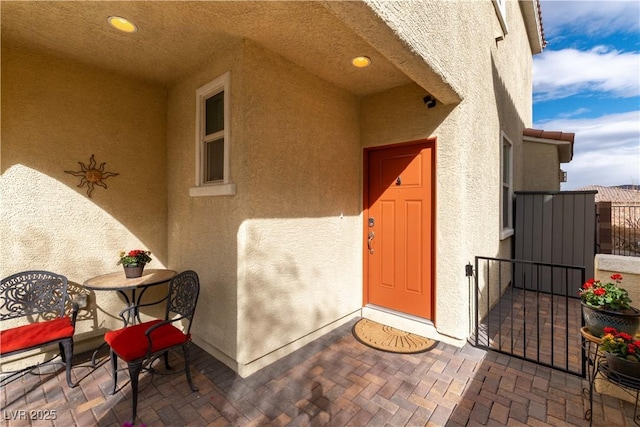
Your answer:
<point x="399" y="228"/>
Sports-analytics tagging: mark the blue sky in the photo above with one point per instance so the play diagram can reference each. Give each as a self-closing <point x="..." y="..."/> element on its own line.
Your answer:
<point x="587" y="81"/>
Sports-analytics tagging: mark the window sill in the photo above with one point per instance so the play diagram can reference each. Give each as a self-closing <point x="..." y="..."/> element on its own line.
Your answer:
<point x="213" y="190"/>
<point x="506" y="233"/>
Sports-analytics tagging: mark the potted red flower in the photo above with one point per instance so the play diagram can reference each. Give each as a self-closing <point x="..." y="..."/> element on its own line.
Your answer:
<point x="134" y="262"/>
<point x="622" y="352"/>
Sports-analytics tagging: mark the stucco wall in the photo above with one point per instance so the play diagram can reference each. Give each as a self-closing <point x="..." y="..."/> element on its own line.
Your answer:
<point x="458" y="38"/>
<point x="56" y="113"/>
<point x="300" y="245"/>
<point x="282" y="257"/>
<point x="202" y="230"/>
<point x="628" y="267"/>
<point x="541" y="168"/>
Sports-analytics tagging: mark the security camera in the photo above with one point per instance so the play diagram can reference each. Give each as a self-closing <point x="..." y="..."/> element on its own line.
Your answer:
<point x="429" y="101"/>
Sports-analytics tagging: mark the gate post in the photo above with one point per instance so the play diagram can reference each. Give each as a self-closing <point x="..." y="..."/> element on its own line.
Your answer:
<point x="605" y="238"/>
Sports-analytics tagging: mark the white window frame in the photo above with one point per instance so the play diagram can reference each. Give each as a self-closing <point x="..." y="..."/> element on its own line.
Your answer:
<point x="501" y="11"/>
<point x="506" y="230"/>
<point x="223" y="187"/>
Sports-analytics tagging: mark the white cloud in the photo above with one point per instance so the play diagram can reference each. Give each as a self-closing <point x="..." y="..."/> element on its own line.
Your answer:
<point x="562" y="73"/>
<point x="606" y="149"/>
<point x="616" y="168"/>
<point x="590" y="17"/>
<point x="579" y="112"/>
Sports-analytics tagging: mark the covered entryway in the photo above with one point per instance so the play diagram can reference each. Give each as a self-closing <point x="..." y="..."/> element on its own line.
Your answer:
<point x="399" y="225"/>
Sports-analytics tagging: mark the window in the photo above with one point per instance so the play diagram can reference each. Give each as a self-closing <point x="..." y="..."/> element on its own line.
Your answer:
<point x="506" y="188"/>
<point x="501" y="12"/>
<point x="212" y="140"/>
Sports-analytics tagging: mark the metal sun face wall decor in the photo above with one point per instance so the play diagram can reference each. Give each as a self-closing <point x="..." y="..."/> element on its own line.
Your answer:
<point x="92" y="175"/>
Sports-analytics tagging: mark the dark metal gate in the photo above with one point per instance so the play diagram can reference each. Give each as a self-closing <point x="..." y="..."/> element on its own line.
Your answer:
<point x="530" y="310"/>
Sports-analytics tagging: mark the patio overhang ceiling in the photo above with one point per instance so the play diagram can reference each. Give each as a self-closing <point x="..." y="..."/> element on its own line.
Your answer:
<point x="563" y="140"/>
<point x="173" y="38"/>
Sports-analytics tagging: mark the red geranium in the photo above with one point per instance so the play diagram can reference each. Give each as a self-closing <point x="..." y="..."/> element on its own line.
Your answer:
<point x="134" y="258"/>
<point x="608" y="296"/>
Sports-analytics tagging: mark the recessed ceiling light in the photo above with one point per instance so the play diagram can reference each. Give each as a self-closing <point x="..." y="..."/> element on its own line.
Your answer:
<point x="122" y="24"/>
<point x="361" y="61"/>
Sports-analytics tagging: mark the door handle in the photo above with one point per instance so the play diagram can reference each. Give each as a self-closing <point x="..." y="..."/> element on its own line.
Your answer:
<point x="372" y="235"/>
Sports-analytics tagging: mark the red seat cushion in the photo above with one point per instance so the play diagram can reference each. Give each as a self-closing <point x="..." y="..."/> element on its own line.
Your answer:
<point x="35" y="334"/>
<point x="130" y="343"/>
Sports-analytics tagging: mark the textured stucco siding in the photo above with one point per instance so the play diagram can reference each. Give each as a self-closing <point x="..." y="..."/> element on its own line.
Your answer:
<point x="202" y="230"/>
<point x="542" y="168"/>
<point x="458" y="38"/>
<point x="56" y="113"/>
<point x="301" y="242"/>
<point x="282" y="257"/>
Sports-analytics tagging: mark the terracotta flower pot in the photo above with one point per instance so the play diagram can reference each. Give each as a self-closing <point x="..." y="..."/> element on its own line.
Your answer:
<point x="596" y="319"/>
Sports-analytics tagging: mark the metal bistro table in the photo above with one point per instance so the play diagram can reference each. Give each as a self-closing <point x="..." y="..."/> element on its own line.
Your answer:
<point x="120" y="283"/>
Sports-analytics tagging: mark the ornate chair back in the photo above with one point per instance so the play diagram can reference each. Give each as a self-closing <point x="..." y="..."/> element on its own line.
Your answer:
<point x="183" y="297"/>
<point x="33" y="293"/>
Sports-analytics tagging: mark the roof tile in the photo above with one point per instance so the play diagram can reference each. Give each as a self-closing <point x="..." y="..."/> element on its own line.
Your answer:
<point x="613" y="194"/>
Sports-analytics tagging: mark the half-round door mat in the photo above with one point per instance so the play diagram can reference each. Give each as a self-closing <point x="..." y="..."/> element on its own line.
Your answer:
<point x="386" y="338"/>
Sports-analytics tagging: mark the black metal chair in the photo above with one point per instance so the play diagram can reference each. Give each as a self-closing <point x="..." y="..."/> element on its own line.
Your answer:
<point x="41" y="298"/>
<point x="140" y="345"/>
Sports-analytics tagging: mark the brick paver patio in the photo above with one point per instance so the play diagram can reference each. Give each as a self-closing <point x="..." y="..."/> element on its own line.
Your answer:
<point x="334" y="381"/>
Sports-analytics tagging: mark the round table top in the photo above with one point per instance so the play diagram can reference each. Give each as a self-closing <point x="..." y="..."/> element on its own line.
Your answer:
<point x="118" y="281"/>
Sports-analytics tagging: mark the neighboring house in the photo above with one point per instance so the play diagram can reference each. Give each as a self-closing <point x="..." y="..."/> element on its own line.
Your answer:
<point x="544" y="151"/>
<point x="303" y="190"/>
